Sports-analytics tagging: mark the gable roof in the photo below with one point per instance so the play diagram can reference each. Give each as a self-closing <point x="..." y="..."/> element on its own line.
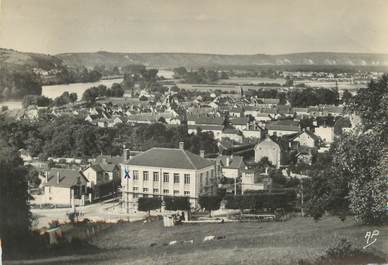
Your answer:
<point x="235" y="162"/>
<point x="312" y="135"/>
<point x="67" y="178"/>
<point x="170" y="158"/>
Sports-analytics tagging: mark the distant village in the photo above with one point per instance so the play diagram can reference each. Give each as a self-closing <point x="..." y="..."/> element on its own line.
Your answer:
<point x="248" y="131"/>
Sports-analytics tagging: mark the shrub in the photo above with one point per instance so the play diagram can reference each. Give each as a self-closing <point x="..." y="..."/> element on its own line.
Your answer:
<point x="148" y="204"/>
<point x="210" y="202"/>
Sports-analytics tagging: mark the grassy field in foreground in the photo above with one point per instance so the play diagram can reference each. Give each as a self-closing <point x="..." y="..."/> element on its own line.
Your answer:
<point x="244" y="243"/>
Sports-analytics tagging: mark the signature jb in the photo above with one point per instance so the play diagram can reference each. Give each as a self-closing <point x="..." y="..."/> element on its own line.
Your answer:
<point x="369" y="237"/>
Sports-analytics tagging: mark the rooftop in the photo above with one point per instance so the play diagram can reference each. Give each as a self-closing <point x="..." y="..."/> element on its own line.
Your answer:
<point x="170" y="158"/>
<point x="67" y="178"/>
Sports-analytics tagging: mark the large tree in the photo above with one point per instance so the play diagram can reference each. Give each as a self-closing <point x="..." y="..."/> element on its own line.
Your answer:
<point x="15" y="214"/>
<point x="371" y="104"/>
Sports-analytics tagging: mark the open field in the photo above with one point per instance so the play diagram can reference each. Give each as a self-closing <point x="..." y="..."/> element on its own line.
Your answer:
<point x="244" y="243"/>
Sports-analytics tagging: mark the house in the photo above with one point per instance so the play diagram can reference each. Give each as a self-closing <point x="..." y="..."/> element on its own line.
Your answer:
<point x="62" y="186"/>
<point x="167" y="172"/>
<point x="233" y="134"/>
<point x="240" y="123"/>
<point x="230" y="166"/>
<point x="325" y="133"/>
<point x="252" y="180"/>
<point x="269" y="102"/>
<point x="252" y="131"/>
<point x="251" y="110"/>
<point x="95" y="175"/>
<point x="282" y="127"/>
<point x="215" y="129"/>
<point x="300" y="111"/>
<point x="307" y="139"/>
<point x="270" y="149"/>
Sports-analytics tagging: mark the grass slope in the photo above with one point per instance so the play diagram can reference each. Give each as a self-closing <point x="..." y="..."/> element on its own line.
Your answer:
<point x="244" y="243"/>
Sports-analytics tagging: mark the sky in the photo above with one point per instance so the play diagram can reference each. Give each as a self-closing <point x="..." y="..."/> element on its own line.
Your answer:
<point x="211" y="26"/>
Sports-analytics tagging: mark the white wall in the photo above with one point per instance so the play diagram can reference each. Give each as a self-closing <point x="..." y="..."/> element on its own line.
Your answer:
<point x="57" y="195"/>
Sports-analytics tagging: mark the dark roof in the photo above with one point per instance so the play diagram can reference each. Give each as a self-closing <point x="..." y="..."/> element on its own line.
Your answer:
<point x="67" y="178"/>
<point x="231" y="131"/>
<point x="206" y="127"/>
<point x="170" y="158"/>
<point x="206" y="119"/>
<point x="283" y="109"/>
<point x="285" y="125"/>
<point x="239" y="121"/>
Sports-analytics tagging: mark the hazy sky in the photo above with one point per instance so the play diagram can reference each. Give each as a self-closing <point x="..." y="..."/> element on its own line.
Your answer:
<point x="212" y="26"/>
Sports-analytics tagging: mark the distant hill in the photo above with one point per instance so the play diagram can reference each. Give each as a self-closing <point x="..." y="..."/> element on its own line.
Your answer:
<point x="169" y="60"/>
<point x="12" y="58"/>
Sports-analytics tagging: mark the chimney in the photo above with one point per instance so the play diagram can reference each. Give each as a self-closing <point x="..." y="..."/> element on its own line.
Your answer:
<point x="46" y="176"/>
<point x="181" y="145"/>
<point x="307" y="129"/>
<point x="266" y="170"/>
<point x="227" y="161"/>
<point x="202" y="153"/>
<point x="58" y="177"/>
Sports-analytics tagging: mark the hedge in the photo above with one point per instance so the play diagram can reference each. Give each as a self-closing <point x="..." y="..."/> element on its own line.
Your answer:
<point x="267" y="200"/>
<point x="148" y="204"/>
<point x="210" y="202"/>
<point x="177" y="203"/>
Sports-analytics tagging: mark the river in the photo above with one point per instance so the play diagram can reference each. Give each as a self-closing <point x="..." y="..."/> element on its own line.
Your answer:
<point x="53" y="91"/>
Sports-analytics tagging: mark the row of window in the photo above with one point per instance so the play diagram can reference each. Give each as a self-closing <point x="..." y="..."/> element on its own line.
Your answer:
<point x="166" y="177"/>
<point x="165" y="191"/>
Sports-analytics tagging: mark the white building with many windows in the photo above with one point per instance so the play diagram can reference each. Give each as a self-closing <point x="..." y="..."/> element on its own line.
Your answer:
<point x="166" y="172"/>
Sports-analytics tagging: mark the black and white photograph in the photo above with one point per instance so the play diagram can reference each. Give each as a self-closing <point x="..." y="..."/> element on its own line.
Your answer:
<point x="207" y="132"/>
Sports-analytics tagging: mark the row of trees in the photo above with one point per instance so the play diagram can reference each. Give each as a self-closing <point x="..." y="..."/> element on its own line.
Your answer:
<point x="312" y="97"/>
<point x="92" y="93"/>
<point x="201" y="76"/>
<point x="73" y="137"/>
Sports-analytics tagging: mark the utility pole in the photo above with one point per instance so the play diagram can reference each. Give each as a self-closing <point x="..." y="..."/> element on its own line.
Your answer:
<point x="235" y="186"/>
<point x="301" y="198"/>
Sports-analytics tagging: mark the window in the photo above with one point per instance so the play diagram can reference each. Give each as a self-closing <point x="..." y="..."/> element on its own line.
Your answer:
<point x="165" y="177"/>
<point x="145" y="189"/>
<point x="165" y="191"/>
<point x="156" y="176"/>
<point x="145" y="175"/>
<point x="187" y="178"/>
<point x="135" y="175"/>
<point x="135" y="195"/>
<point x="176" y="178"/>
<point x="176" y="192"/>
<point x="212" y="173"/>
<point x="156" y="190"/>
<point x="187" y="193"/>
<point x="135" y="188"/>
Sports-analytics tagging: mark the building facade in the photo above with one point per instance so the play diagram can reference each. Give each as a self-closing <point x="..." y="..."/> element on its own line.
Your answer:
<point x="167" y="172"/>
